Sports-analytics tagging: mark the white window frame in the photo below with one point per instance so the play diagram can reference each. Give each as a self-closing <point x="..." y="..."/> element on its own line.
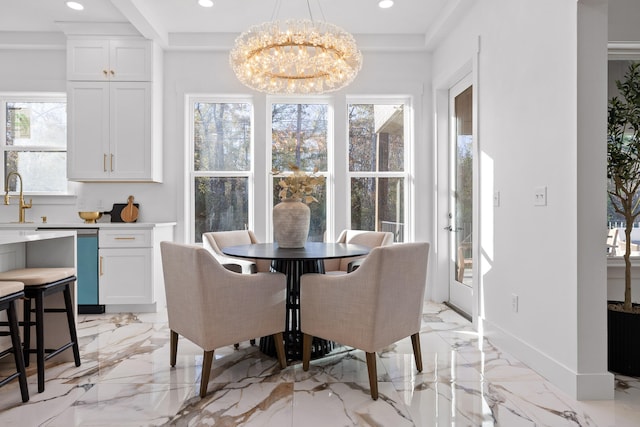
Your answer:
<point x="331" y="161"/>
<point x="51" y="197"/>
<point x="408" y="173"/>
<point x="189" y="166"/>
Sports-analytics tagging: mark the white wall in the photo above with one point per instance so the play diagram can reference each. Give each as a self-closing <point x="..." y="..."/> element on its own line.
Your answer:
<point x="45" y="71"/>
<point x="527" y="134"/>
<point x="202" y="72"/>
<point x="384" y="74"/>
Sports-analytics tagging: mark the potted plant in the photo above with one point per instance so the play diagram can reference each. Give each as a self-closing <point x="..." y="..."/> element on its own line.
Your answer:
<point x="623" y="173"/>
<point x="291" y="217"/>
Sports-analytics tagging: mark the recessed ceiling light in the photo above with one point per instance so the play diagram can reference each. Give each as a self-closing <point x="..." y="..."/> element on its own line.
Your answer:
<point x="75" y="5"/>
<point x="205" y="3"/>
<point x="385" y="4"/>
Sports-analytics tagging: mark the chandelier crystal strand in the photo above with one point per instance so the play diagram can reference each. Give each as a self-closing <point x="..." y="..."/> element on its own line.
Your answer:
<point x="304" y="56"/>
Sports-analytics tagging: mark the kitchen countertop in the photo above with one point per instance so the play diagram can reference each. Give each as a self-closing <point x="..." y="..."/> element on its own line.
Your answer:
<point x="80" y="224"/>
<point x="21" y="236"/>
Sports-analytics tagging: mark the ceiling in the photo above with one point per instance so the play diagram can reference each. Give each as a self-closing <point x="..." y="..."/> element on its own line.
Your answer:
<point x="180" y="24"/>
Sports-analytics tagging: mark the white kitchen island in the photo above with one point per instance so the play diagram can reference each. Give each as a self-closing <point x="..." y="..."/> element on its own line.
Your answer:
<point x="28" y="248"/>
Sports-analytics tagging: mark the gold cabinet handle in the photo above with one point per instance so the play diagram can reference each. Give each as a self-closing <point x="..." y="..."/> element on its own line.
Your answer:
<point x="104" y="162"/>
<point x="124" y="238"/>
<point x="113" y="73"/>
<point x="112" y="163"/>
<point x="101" y="273"/>
<point x="105" y="73"/>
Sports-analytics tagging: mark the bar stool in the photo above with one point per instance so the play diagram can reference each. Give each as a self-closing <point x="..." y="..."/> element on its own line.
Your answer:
<point x="38" y="283"/>
<point x="9" y="293"/>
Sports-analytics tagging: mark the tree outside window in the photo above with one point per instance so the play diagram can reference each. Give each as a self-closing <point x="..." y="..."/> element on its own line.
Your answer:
<point x="376" y="167"/>
<point x="299" y="134"/>
<point x="34" y="142"/>
<point x="222" y="135"/>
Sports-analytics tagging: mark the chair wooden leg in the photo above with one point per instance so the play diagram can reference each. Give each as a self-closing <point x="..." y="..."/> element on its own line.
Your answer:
<point x="207" y="361"/>
<point x="306" y="351"/>
<point x="174" y="348"/>
<point x="278" y="339"/>
<point x="417" y="353"/>
<point x="373" y="375"/>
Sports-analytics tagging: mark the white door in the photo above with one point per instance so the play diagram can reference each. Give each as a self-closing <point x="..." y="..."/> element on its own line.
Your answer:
<point x="461" y="233"/>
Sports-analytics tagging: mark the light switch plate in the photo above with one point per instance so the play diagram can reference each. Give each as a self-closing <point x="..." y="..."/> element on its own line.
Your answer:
<point x="540" y="196"/>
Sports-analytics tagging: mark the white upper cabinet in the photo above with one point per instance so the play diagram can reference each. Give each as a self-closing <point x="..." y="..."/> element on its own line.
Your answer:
<point x="114" y="110"/>
<point x="124" y="60"/>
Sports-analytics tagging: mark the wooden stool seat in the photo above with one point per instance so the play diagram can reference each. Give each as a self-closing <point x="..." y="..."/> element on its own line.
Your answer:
<point x="38" y="283"/>
<point x="9" y="293"/>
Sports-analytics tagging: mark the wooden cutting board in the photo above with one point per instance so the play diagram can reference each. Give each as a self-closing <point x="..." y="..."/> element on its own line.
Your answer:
<point x="130" y="212"/>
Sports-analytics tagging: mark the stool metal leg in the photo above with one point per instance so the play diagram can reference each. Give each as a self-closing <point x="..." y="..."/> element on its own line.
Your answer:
<point x="26" y="350"/>
<point x="72" y="324"/>
<point x="40" y="340"/>
<point x="17" y="350"/>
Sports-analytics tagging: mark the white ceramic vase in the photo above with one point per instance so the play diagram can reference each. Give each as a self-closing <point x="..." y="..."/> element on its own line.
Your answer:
<point x="291" y="220"/>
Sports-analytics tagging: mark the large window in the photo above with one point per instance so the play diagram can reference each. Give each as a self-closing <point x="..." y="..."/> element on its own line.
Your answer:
<point x="299" y="136"/>
<point x="34" y="142"/>
<point x="377" y="171"/>
<point x="222" y="165"/>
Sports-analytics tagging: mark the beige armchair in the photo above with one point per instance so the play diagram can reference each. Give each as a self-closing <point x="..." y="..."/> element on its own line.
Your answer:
<point x="374" y="306"/>
<point x="214" y="307"/>
<point x="370" y="239"/>
<point x="215" y="241"/>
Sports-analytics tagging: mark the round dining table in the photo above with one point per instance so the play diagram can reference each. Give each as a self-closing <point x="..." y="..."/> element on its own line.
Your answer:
<point x="294" y="262"/>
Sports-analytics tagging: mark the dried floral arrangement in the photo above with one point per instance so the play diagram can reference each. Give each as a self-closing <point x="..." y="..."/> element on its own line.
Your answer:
<point x="299" y="184"/>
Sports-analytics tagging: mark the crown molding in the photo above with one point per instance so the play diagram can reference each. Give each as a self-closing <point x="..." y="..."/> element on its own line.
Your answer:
<point x="365" y="42"/>
<point x="97" y="28"/>
<point x="623" y="50"/>
<point x="32" y="40"/>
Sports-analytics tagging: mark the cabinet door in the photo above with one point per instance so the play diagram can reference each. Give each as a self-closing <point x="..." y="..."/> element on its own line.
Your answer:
<point x="109" y="60"/>
<point x="125" y="276"/>
<point x="130" y="60"/>
<point x="88" y="60"/>
<point x="88" y="130"/>
<point x="131" y="155"/>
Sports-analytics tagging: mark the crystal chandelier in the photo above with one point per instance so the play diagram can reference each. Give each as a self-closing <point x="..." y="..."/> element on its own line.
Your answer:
<point x="301" y="57"/>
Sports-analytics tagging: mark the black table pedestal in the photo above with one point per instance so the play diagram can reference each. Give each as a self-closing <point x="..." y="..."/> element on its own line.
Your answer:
<point x="293" y="269"/>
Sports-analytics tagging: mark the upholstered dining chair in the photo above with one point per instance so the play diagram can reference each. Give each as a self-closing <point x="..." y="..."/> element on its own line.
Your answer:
<point x="214" y="307"/>
<point x="215" y="241"/>
<point x="374" y="306"/>
<point x="370" y="239"/>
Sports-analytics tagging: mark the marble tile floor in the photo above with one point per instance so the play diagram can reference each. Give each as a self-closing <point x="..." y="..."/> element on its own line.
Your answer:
<point x="125" y="380"/>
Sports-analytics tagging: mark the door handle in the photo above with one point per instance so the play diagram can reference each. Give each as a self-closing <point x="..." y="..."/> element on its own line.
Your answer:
<point x="448" y="228"/>
<point x="101" y="273"/>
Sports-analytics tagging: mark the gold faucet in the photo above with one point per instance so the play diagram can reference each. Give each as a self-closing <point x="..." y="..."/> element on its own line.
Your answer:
<point x="7" y="196"/>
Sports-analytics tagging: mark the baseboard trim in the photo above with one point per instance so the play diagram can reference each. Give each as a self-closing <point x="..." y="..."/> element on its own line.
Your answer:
<point x="592" y="386"/>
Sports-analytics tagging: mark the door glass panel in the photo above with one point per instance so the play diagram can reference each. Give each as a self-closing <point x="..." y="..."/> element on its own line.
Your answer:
<point x="463" y="176"/>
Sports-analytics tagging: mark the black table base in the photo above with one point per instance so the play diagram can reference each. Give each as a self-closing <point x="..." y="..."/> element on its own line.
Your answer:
<point x="293" y="269"/>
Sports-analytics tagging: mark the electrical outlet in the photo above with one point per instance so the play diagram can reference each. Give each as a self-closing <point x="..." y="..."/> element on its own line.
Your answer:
<point x="514" y="303"/>
<point x="540" y="196"/>
<point x="496" y="199"/>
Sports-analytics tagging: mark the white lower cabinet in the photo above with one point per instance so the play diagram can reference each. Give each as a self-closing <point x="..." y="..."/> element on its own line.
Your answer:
<point x="125" y="276"/>
<point x="130" y="268"/>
